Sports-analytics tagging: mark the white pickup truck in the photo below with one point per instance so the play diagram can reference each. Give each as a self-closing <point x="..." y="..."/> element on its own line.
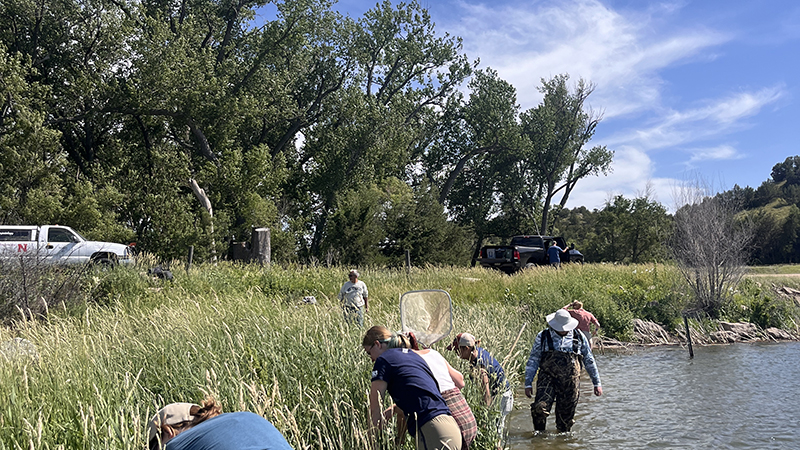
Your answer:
<point x="58" y="244"/>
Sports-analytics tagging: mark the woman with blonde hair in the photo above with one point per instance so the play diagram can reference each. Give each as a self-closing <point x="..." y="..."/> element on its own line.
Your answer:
<point x="410" y="382"/>
<point x="450" y="382"/>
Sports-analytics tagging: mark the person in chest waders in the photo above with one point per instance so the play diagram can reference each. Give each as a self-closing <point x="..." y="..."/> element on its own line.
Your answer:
<point x="557" y="355"/>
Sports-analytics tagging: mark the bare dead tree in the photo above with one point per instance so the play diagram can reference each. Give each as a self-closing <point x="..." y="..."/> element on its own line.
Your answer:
<point x="710" y="245"/>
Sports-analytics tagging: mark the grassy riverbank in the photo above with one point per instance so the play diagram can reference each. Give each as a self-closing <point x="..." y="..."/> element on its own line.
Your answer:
<point x="241" y="334"/>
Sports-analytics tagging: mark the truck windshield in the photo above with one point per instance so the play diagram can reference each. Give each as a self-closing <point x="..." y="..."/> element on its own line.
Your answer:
<point x="527" y="241"/>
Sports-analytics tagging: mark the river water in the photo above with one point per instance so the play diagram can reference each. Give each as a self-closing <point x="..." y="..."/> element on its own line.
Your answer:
<point x="740" y="396"/>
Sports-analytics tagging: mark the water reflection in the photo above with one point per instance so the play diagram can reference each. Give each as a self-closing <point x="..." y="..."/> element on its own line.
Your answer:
<point x="742" y="396"/>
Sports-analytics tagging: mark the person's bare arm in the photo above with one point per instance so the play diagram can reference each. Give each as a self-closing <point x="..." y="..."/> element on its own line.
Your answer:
<point x="457" y="377"/>
<point x="376" y="392"/>
<point x="487" y="392"/>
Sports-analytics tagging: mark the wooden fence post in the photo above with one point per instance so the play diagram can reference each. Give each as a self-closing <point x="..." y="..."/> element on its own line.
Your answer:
<point x="189" y="260"/>
<point x="688" y="336"/>
<point x="261" y="248"/>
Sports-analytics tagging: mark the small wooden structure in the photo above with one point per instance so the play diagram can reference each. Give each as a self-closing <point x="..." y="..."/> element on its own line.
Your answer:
<point x="259" y="249"/>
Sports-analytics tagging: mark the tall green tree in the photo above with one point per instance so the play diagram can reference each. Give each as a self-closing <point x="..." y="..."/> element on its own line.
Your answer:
<point x="31" y="190"/>
<point x="558" y="130"/>
<point x="466" y="158"/>
<point x="374" y="125"/>
<point x="610" y="241"/>
<point x="630" y="230"/>
<point x="650" y="227"/>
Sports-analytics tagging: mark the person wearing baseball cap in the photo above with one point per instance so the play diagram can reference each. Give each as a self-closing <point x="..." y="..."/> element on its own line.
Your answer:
<point x="354" y="296"/>
<point x="490" y="373"/>
<point x="187" y="426"/>
<point x="556" y="355"/>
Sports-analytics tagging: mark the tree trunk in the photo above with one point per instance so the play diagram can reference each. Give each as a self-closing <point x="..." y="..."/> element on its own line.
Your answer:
<point x="261" y="248"/>
<point x="476" y="252"/>
<point x="206" y="202"/>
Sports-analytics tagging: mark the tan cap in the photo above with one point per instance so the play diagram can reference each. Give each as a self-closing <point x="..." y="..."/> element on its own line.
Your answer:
<point x="466" y="340"/>
<point x="172" y="414"/>
<point x="462" y="340"/>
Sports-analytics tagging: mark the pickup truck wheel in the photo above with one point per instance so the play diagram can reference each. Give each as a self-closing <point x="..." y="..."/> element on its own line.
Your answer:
<point x="530" y="265"/>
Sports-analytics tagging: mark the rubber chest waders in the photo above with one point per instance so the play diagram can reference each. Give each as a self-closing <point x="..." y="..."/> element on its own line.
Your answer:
<point x="558" y="381"/>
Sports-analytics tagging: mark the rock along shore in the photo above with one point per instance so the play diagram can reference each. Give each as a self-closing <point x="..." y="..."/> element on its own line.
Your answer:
<point x="646" y="334"/>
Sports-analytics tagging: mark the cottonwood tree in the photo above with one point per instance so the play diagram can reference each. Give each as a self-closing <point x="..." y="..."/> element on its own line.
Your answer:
<point x="558" y="130"/>
<point x="374" y="125"/>
<point x="467" y="159"/>
<point x="711" y="245"/>
<point x="31" y="190"/>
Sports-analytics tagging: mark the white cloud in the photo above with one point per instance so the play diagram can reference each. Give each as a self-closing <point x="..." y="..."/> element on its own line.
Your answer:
<point x="620" y="53"/>
<point x="714" y="119"/>
<point x="625" y="53"/>
<point x="720" y="153"/>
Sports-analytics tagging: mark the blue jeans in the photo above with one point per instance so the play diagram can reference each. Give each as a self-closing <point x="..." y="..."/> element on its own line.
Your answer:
<point x="354" y="314"/>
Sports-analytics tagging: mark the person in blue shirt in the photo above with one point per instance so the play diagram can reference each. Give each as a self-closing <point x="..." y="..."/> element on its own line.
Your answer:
<point x="410" y="382"/>
<point x="187" y="426"/>
<point x="489" y="372"/>
<point x="556" y="355"/>
<point x="554" y="253"/>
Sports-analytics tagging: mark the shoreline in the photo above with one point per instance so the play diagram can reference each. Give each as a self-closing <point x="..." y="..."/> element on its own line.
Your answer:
<point x="649" y="334"/>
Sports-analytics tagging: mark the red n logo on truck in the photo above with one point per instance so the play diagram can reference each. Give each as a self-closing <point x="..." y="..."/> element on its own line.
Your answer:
<point x="22" y="248"/>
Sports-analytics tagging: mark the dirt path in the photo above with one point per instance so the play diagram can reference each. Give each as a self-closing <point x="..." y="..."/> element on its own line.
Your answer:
<point x="760" y="275"/>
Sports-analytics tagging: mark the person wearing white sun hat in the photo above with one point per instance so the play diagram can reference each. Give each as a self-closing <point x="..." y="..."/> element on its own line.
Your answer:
<point x="556" y="355"/>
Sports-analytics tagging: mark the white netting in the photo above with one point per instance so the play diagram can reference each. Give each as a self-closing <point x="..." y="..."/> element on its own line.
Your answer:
<point x="428" y="314"/>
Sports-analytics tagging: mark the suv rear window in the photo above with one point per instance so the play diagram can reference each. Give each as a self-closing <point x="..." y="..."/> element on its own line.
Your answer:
<point x="16" y="235"/>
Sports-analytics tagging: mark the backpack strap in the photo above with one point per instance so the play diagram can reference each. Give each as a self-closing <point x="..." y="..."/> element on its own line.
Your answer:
<point x="547" y="341"/>
<point x="577" y="340"/>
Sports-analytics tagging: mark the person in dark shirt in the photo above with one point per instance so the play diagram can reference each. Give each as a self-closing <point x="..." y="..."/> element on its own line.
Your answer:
<point x="410" y="382"/>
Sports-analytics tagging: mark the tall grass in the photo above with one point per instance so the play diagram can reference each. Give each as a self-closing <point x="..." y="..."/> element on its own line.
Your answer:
<point x="241" y="334"/>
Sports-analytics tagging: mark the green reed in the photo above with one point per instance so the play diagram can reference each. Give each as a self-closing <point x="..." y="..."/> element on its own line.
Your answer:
<point x="242" y="334"/>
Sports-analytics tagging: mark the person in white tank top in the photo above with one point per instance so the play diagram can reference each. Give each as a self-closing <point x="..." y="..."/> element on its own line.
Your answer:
<point x="450" y="382"/>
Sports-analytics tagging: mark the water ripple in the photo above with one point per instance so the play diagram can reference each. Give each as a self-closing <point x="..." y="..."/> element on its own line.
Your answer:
<point x="741" y="396"/>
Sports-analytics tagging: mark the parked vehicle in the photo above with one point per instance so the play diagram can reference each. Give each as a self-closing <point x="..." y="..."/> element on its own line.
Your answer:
<point x="525" y="251"/>
<point x="57" y="244"/>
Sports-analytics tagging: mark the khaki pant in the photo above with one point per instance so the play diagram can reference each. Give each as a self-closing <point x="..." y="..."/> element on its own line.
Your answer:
<point x="439" y="433"/>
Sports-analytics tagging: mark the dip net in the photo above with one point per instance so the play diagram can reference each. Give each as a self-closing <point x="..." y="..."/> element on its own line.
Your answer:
<point x="428" y="313"/>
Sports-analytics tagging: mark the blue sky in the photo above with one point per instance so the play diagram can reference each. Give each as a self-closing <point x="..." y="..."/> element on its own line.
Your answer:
<point x="688" y="89"/>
